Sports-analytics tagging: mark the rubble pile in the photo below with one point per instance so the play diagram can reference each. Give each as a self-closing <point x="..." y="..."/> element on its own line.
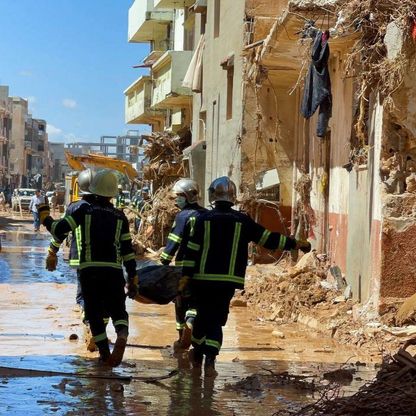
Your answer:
<point x="282" y="295"/>
<point x="308" y="294"/>
<point x="377" y="70"/>
<point x="164" y="154"/>
<point x="156" y="222"/>
<point x="393" y="393"/>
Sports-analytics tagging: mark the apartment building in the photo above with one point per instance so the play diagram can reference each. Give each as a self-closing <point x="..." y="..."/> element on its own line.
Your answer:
<point x="24" y="153"/>
<point x="5" y="127"/>
<point x="38" y="167"/>
<point x="159" y="99"/>
<point x="349" y="189"/>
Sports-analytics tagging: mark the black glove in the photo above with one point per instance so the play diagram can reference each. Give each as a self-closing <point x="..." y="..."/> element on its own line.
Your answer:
<point x="183" y="287"/>
<point x="303" y="245"/>
<point x="44" y="212"/>
<point x="133" y="287"/>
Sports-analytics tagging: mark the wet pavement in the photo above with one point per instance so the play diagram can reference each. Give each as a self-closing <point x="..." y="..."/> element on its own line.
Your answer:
<point x="39" y="315"/>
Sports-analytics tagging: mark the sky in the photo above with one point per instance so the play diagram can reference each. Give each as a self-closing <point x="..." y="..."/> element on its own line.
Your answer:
<point x="72" y="61"/>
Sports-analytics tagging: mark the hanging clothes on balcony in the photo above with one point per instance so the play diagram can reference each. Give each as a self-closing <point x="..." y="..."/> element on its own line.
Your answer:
<point x="193" y="77"/>
<point x="317" y="91"/>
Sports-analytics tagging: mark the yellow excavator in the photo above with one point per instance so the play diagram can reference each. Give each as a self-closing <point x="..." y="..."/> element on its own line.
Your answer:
<point x="80" y="162"/>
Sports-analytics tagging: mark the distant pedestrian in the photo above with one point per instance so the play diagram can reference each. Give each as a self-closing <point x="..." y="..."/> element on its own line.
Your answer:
<point x="2" y="201"/>
<point x="120" y="199"/>
<point x="54" y="200"/>
<point x="36" y="200"/>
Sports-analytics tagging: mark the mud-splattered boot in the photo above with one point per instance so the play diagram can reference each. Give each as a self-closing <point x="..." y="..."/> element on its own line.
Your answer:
<point x="177" y="346"/>
<point x="119" y="347"/>
<point x="196" y="357"/>
<point x="104" y="351"/>
<point x="209" y="367"/>
<point x="187" y="333"/>
<point x="89" y="339"/>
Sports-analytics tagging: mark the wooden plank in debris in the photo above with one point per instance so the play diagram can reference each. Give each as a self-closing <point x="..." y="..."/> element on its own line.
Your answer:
<point x="405" y="358"/>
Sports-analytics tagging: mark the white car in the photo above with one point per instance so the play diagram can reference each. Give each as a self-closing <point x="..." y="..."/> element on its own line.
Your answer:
<point x="22" y="197"/>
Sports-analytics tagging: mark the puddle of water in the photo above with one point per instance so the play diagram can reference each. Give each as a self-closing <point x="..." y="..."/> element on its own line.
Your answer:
<point x="25" y="238"/>
<point x="18" y="268"/>
<point x="183" y="394"/>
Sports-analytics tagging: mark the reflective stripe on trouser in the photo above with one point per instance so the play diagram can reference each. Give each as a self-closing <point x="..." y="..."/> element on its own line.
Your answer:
<point x="212" y="307"/>
<point x="103" y="292"/>
<point x="101" y="341"/>
<point x="181" y="308"/>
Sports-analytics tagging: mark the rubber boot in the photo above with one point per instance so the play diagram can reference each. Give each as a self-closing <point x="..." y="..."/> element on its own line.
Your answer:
<point x="177" y="346"/>
<point x="209" y="368"/>
<point x="104" y="352"/>
<point x="119" y="347"/>
<point x="89" y="339"/>
<point x="187" y="334"/>
<point x="196" y="357"/>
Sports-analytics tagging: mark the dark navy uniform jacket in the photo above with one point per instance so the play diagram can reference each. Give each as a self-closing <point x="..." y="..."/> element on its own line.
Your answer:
<point x="76" y="235"/>
<point x="178" y="237"/>
<point x="218" y="249"/>
<point x="104" y="239"/>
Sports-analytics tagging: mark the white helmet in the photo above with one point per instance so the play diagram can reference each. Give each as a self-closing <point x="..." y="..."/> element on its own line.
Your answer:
<point x="104" y="183"/>
<point x="119" y="186"/>
<point x="222" y="189"/>
<point x="187" y="187"/>
<point x="84" y="181"/>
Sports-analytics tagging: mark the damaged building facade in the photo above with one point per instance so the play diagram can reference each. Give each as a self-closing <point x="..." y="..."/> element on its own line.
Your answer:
<point x="341" y="171"/>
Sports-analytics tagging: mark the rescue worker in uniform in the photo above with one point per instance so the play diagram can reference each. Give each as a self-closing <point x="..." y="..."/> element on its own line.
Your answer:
<point x="84" y="182"/>
<point x="105" y="247"/>
<point x="215" y="262"/>
<point x="186" y="192"/>
<point x="142" y="204"/>
<point x="120" y="199"/>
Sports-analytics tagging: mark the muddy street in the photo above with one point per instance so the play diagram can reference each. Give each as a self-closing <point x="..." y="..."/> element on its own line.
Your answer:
<point x="41" y="330"/>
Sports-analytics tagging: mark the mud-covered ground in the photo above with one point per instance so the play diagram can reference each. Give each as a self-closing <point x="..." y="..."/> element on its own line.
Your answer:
<point x="39" y="315"/>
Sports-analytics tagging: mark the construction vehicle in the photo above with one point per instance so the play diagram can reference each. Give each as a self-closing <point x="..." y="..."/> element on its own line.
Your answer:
<point x="80" y="162"/>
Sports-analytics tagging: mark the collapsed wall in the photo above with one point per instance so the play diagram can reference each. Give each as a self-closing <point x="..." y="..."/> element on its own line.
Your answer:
<point x="398" y="177"/>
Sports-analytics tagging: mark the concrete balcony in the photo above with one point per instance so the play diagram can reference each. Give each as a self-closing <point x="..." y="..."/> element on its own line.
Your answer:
<point x="168" y="74"/>
<point x="147" y="24"/>
<point x="137" y="103"/>
<point x="173" y="4"/>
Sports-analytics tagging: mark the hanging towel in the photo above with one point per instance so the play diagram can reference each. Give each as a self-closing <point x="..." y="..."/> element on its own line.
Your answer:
<point x="193" y="77"/>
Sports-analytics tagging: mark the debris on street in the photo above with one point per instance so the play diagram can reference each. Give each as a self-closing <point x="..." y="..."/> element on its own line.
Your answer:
<point x="156" y="222"/>
<point x="164" y="153"/>
<point x="392" y="392"/>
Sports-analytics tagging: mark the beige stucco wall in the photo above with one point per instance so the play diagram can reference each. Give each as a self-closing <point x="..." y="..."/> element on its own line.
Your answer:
<point x="17" y="155"/>
<point x="222" y="136"/>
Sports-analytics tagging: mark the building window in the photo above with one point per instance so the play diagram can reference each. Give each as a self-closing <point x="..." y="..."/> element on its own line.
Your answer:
<point x="203" y="23"/>
<point x="217" y="9"/>
<point x="230" y="88"/>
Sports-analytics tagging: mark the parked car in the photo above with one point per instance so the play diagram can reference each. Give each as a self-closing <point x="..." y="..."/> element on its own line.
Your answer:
<point x="22" y="196"/>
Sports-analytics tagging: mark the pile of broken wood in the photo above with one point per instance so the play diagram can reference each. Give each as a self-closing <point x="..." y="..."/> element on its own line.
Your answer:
<point x="392" y="393"/>
<point x="164" y="153"/>
<point x="156" y="222"/>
